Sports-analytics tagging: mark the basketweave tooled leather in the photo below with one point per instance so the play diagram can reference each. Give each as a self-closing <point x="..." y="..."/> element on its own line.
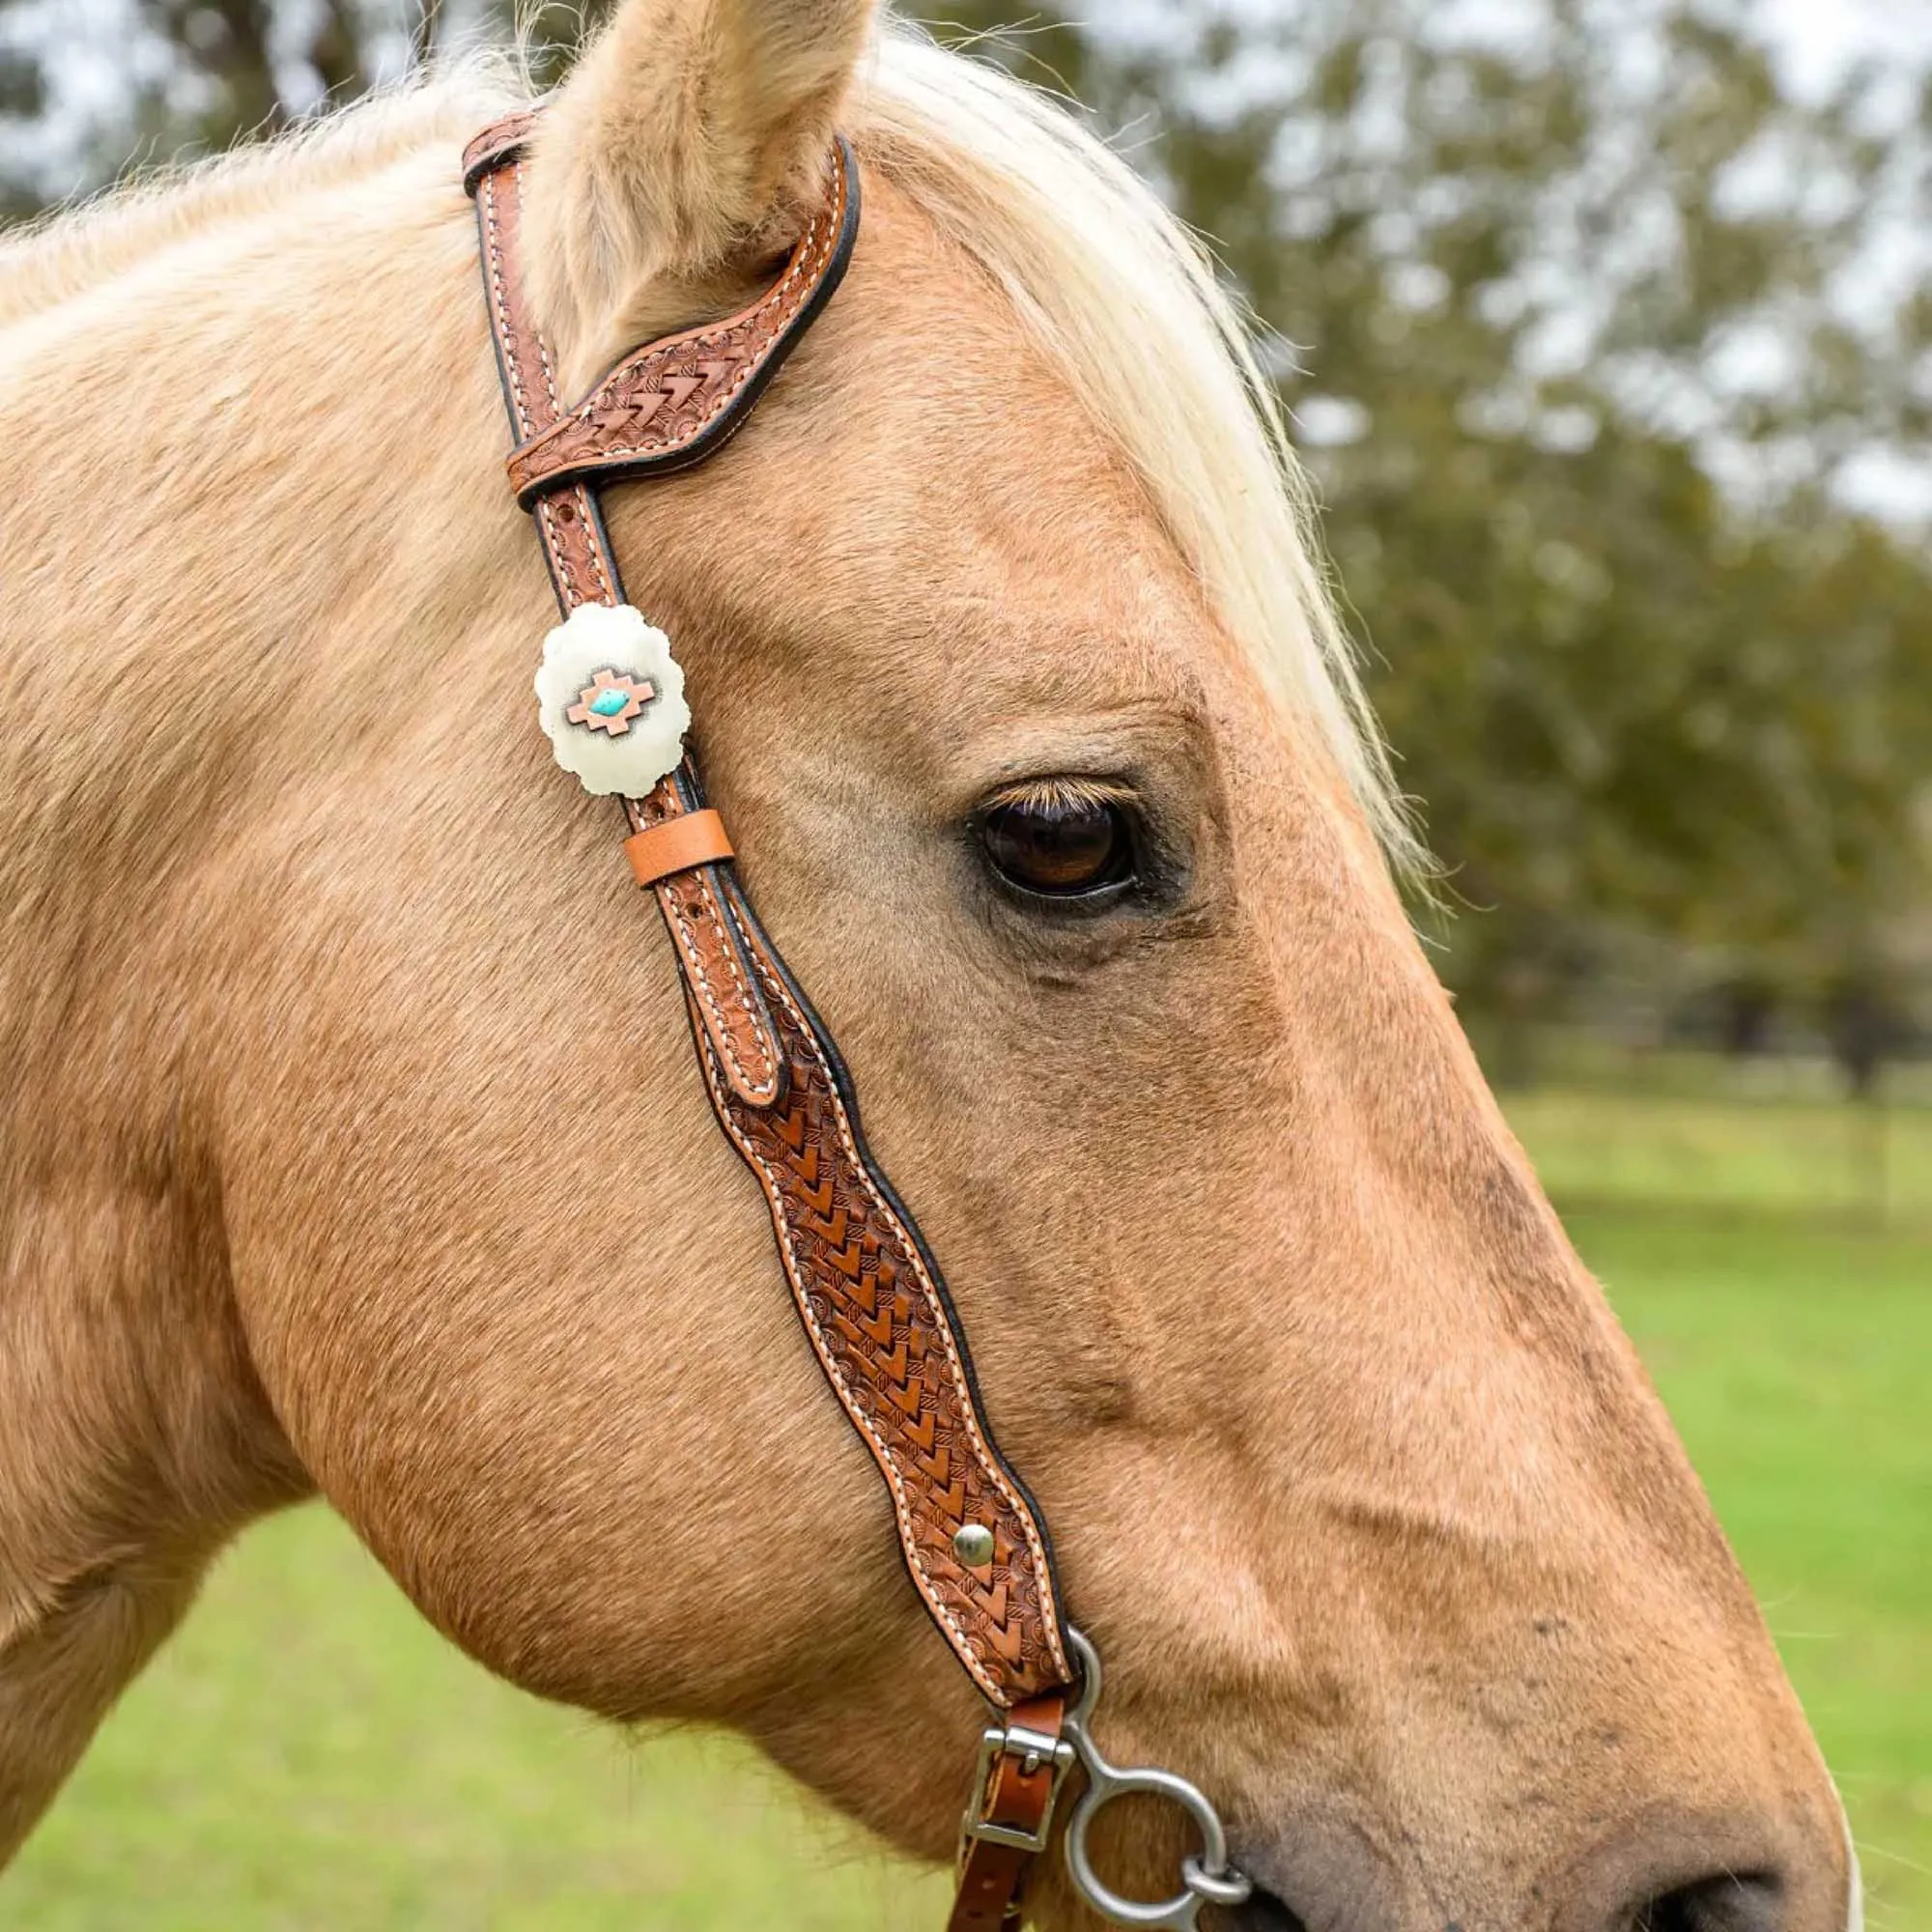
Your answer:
<point x="872" y="1302"/>
<point x="584" y="571"/>
<point x="874" y="1309"/>
<point x="667" y="405"/>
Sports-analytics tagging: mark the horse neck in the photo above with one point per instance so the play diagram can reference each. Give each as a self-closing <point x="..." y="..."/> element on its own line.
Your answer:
<point x="133" y="1435"/>
<point x="167" y="679"/>
<point x="134" y="1438"/>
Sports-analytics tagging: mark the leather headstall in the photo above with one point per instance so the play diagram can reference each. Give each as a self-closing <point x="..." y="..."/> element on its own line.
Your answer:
<point x="868" y="1292"/>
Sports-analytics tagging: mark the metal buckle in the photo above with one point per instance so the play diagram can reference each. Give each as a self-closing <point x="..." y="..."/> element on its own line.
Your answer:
<point x="1034" y="1748"/>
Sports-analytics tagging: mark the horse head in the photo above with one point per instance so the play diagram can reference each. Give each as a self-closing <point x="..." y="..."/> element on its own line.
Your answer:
<point x="353" y="1139"/>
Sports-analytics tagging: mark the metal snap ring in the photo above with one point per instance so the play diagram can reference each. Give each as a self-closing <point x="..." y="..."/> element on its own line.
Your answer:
<point x="1206" y="1879"/>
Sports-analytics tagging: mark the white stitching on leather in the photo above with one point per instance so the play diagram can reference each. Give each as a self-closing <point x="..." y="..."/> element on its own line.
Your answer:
<point x="506" y="335"/>
<point x="863" y="1423"/>
<point x="498" y="300"/>
<point x="775" y="988"/>
<point x="803" y="266"/>
<point x="766" y="1085"/>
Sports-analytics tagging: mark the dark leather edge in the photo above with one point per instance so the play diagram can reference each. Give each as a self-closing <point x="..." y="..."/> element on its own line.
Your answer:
<point x="721" y="873"/>
<point x="841" y="1080"/>
<point x="716" y="434"/>
<point x="501" y="141"/>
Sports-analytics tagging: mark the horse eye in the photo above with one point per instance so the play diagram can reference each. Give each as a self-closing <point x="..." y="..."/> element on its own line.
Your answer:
<point x="1059" y="840"/>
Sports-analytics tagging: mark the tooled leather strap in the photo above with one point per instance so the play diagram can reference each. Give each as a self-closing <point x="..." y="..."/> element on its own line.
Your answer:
<point x="872" y="1300"/>
<point x="729" y="1008"/>
<point x="668" y="405"/>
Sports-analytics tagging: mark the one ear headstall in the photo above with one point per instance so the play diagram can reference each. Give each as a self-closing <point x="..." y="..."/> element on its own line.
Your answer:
<point x="869" y="1295"/>
<point x="610" y="696"/>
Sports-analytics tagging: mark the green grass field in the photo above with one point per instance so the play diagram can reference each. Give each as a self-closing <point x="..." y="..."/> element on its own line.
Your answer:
<point x="308" y="1754"/>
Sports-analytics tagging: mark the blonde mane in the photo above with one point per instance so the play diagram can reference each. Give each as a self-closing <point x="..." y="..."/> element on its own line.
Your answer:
<point x="1097" y="268"/>
<point x="1115" y="286"/>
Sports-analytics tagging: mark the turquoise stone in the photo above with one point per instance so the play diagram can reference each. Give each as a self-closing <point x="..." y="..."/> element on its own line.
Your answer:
<point x="607" y="703"/>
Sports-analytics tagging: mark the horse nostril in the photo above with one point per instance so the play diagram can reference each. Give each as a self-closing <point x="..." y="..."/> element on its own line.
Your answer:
<point x="1327" y="1865"/>
<point x="1730" y="1902"/>
<point x="1262" y="1912"/>
<point x="1683" y="1869"/>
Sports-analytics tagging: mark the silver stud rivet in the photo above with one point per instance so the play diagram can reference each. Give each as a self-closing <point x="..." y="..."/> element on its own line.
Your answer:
<point x="973" y="1544"/>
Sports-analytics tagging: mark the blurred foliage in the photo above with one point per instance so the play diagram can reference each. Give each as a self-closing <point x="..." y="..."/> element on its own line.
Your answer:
<point x="193" y="76"/>
<point x="1573" y="347"/>
<point x="1592" y="325"/>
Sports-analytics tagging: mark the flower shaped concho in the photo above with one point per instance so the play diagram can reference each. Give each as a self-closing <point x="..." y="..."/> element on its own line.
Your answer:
<point x="612" y="699"/>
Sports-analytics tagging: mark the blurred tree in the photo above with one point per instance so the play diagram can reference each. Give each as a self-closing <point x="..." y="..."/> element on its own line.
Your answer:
<point x="193" y="76"/>
<point x="22" y="103"/>
<point x="1582" y="383"/>
<point x="183" y="77"/>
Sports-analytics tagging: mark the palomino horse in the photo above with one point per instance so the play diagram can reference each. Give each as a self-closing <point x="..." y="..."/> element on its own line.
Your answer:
<point x="352" y="1142"/>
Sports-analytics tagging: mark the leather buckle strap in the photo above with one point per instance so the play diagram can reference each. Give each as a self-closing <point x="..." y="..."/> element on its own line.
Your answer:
<point x="1023" y="1762"/>
<point x="869" y="1295"/>
<point x="1008" y="1822"/>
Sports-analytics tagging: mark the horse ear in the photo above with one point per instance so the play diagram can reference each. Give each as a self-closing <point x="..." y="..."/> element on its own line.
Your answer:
<point x="688" y="142"/>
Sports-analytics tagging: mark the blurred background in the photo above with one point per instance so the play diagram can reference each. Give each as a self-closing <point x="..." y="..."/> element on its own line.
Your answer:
<point x="1606" y="331"/>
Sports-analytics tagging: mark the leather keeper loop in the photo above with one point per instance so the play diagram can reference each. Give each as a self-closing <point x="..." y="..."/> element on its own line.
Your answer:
<point x="676" y="846"/>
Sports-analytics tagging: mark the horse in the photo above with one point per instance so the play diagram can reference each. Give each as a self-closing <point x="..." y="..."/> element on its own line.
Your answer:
<point x="352" y="1144"/>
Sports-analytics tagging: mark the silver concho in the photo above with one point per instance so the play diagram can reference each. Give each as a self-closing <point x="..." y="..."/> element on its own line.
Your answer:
<point x="610" y="695"/>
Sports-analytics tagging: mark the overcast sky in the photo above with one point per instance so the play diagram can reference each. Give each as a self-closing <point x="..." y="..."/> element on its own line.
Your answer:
<point x="1819" y="36"/>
